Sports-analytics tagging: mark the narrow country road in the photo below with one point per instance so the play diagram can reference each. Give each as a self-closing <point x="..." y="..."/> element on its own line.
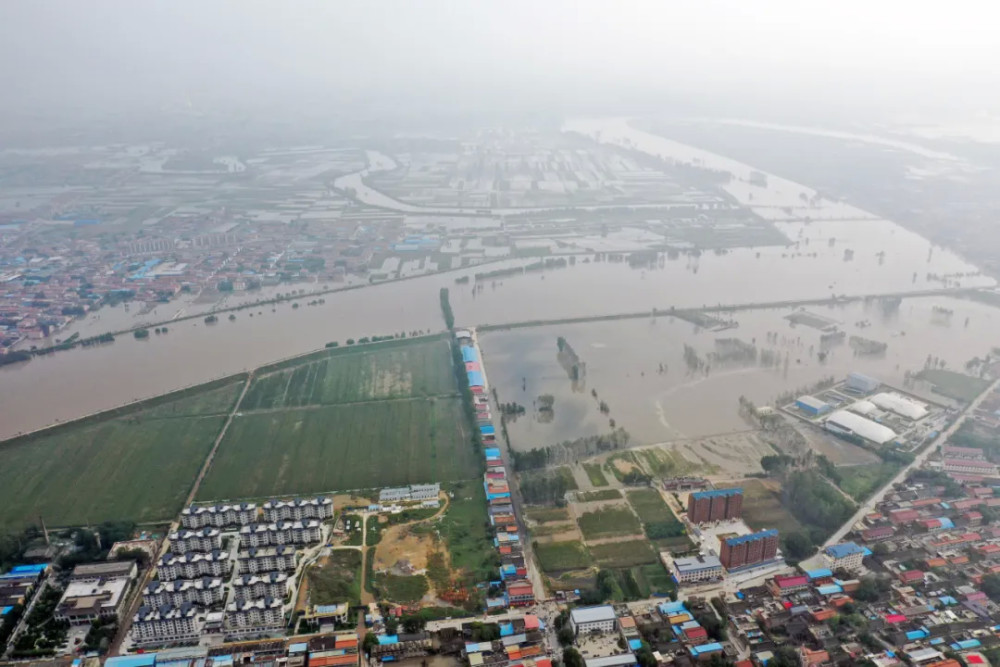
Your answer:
<point x="133" y="606"/>
<point x="870" y="504"/>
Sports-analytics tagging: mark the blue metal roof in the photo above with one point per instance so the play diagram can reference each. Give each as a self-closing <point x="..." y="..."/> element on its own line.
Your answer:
<point x="487" y="429"/>
<point x="476" y="379"/>
<point x="752" y="537"/>
<point x="469" y="353"/>
<point x="5" y="610"/>
<point x="141" y="660"/>
<point x="716" y="493"/>
<point x="819" y="574"/>
<point x="844" y="550"/>
<point x="635" y="644"/>
<point x="492" y="452"/>
<point x="706" y="648"/>
<point x="29" y="569"/>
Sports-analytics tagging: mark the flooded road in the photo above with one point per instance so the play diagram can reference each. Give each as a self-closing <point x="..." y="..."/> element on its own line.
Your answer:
<point x="654" y="404"/>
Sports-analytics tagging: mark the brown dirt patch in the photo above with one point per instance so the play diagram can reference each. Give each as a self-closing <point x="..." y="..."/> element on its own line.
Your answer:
<point x="624" y="467"/>
<point x="401" y="543"/>
<point x="347" y="500"/>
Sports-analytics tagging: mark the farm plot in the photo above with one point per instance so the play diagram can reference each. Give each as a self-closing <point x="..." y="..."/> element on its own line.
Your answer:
<point x="557" y="557"/>
<point x="623" y="554"/>
<point x="348" y="375"/>
<point x="337" y="578"/>
<point x="657" y="519"/>
<point x="608" y="522"/>
<point x="603" y="494"/>
<point x="762" y="508"/>
<point x="597" y="477"/>
<point x="131" y="468"/>
<point x="214" y="401"/>
<point x="384" y="443"/>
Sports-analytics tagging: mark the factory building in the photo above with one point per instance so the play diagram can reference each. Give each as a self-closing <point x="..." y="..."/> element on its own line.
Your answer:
<point x="848" y="424"/>
<point x="746" y="550"/>
<point x="861" y="384"/>
<point x="902" y="406"/>
<point x="812" y="406"/>
<point x="715" y="505"/>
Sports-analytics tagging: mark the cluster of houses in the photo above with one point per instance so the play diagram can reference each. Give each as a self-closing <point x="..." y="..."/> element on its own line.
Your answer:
<point x="332" y="650"/>
<point x="513" y="589"/>
<point x="253" y="549"/>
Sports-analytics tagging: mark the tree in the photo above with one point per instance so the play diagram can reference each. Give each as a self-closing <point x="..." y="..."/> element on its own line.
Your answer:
<point x="565" y="635"/>
<point x="991" y="586"/>
<point x="370" y="642"/>
<point x="784" y="656"/>
<point x="645" y="656"/>
<point x="572" y="658"/>
<point x="880" y="549"/>
<point x="391" y="625"/>
<point x="413" y="623"/>
<point x="798" y="546"/>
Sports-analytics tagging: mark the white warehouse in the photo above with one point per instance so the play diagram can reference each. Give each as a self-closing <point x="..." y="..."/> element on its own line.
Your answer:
<point x="843" y="422"/>
<point x="902" y="406"/>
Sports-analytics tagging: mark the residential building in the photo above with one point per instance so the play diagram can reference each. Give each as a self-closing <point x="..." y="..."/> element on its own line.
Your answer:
<point x="520" y="594"/>
<point x="319" y="508"/>
<point x="748" y="550"/>
<point x="846" y="556"/>
<point x="218" y="516"/>
<point x="165" y="624"/>
<point x="970" y="466"/>
<point x="263" y="613"/>
<point x="265" y="585"/>
<point x="265" y="559"/>
<point x="203" y="540"/>
<point x="203" y="592"/>
<point x="716" y="505"/>
<point x="585" y="620"/>
<point x="277" y="534"/>
<point x="193" y="566"/>
<point x="698" y="568"/>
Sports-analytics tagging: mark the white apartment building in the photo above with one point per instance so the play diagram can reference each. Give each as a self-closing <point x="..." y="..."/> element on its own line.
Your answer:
<point x="265" y="559"/>
<point x="165" y="624"/>
<point x="267" y="585"/>
<point x="277" y="534"/>
<point x="202" y="592"/>
<point x="204" y="539"/>
<point x="298" y="509"/>
<point x="218" y="516"/>
<point x="263" y="613"/>
<point x="193" y="566"/>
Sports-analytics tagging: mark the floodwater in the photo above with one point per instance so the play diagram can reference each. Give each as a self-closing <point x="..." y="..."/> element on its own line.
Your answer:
<point x="886" y="258"/>
<point x="622" y="364"/>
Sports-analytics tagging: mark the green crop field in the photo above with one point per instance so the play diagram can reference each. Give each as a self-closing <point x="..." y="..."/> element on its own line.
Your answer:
<point x="859" y="482"/>
<point x="546" y="514"/>
<point x="597" y="477"/>
<point x="609" y="522"/>
<point x="762" y="508"/>
<point x="623" y="554"/>
<point x="349" y="375"/>
<point x="955" y="385"/>
<point x="217" y="401"/>
<point x="130" y="467"/>
<point x="603" y="494"/>
<point x="366" y="445"/>
<point x="338" y="579"/>
<point x="649" y="505"/>
<point x="561" y="556"/>
<point x="653" y="580"/>
<point x="401" y="588"/>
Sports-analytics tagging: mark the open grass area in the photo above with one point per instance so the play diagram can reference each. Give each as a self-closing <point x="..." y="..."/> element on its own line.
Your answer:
<point x="463" y="528"/>
<point x="557" y="557"/>
<point x="953" y="384"/>
<point x="400" y="588"/>
<point x="547" y="514"/>
<point x="595" y="474"/>
<point x="603" y="494"/>
<point x="131" y="467"/>
<point x="762" y="508"/>
<point x="653" y="579"/>
<point x="385" y="443"/>
<point x="346" y="375"/>
<point x="337" y="578"/>
<point x="623" y="554"/>
<point x="859" y="482"/>
<point x="608" y="522"/>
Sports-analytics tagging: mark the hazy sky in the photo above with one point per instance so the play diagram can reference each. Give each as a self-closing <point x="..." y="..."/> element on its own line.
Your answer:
<point x="429" y="52"/>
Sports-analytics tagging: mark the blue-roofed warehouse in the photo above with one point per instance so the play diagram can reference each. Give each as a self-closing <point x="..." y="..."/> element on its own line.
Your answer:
<point x="476" y="379"/>
<point x="469" y="353"/>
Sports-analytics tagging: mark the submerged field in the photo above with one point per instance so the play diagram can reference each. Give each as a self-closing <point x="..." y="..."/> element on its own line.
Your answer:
<point x="374" y="416"/>
<point x="138" y="466"/>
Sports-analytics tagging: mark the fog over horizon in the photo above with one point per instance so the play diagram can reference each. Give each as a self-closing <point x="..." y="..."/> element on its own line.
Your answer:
<point x="770" y="59"/>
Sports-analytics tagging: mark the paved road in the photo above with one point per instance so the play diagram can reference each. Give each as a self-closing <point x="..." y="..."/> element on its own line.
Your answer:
<point x="133" y="606"/>
<point x="869" y="506"/>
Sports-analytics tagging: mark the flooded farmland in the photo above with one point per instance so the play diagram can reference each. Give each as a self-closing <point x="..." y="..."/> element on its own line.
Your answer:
<point x="665" y="378"/>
